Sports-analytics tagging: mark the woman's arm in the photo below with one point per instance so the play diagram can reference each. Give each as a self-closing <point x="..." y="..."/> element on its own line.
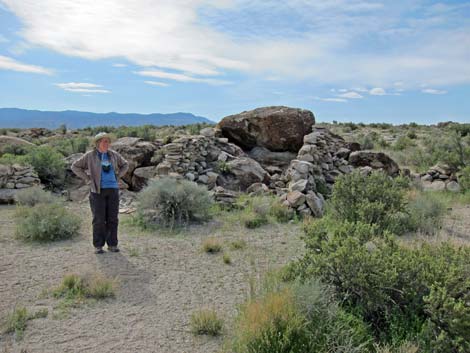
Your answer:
<point x="80" y="166"/>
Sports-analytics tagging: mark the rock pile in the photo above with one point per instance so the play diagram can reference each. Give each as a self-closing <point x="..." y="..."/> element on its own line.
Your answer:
<point x="15" y="177"/>
<point x="324" y="156"/>
<point x="440" y="177"/>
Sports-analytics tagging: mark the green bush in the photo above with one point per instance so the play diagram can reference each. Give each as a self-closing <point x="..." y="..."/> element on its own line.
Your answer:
<point x="375" y="199"/>
<point x="34" y="195"/>
<point x="71" y="145"/>
<point x="464" y="179"/>
<point x="169" y="202"/>
<point x="46" y="222"/>
<point x="402" y="143"/>
<point x="49" y="164"/>
<point x="403" y="293"/>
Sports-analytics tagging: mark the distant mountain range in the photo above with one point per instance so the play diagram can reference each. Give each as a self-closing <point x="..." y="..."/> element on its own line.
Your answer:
<point x="22" y="118"/>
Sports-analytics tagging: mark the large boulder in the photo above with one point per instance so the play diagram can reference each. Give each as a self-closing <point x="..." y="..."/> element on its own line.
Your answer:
<point x="241" y="173"/>
<point x="136" y="151"/>
<point x="275" y="128"/>
<point x="11" y="141"/>
<point x="375" y="160"/>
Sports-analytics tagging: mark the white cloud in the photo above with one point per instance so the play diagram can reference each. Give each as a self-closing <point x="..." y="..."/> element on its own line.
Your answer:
<point x="433" y="91"/>
<point x="82" y="87"/>
<point x="203" y="39"/>
<point x="335" y="100"/>
<point x="350" y="95"/>
<point x="119" y="65"/>
<point x="7" y="63"/>
<point x="180" y="77"/>
<point x="156" y="83"/>
<point x="377" y="91"/>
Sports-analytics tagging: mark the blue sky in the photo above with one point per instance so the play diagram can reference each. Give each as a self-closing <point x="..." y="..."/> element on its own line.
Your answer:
<point x="346" y="60"/>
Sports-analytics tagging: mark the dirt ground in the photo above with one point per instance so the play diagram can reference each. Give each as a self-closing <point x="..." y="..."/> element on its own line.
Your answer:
<point x="162" y="280"/>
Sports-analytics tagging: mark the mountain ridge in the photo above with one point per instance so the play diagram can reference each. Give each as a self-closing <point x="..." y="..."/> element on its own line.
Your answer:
<point x="25" y="118"/>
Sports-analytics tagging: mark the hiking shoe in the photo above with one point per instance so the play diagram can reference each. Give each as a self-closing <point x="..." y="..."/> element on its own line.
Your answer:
<point x="99" y="250"/>
<point x="113" y="249"/>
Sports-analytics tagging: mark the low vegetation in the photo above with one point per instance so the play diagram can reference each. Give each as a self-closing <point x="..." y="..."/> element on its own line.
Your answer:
<point x="46" y="222"/>
<point x="77" y="287"/>
<point x="357" y="288"/>
<point x="17" y="320"/>
<point x="206" y="322"/>
<point x="173" y="203"/>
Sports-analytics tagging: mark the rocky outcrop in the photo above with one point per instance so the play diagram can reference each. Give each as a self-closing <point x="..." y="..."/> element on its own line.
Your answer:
<point x="440" y="177"/>
<point x="375" y="160"/>
<point x="11" y="141"/>
<point x="138" y="153"/>
<point x="310" y="176"/>
<point x="275" y="128"/>
<point x="15" y="177"/>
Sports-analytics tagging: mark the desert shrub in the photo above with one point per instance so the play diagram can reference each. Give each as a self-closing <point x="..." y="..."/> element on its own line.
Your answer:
<point x="16" y="321"/>
<point x="375" y="199"/>
<point x="464" y="179"/>
<point x="227" y="259"/>
<point x="280" y="212"/>
<point x="411" y="134"/>
<point x="33" y="196"/>
<point x="402" y="143"/>
<point x="238" y="244"/>
<point x="78" y="287"/>
<point x="46" y="161"/>
<point x="15" y="149"/>
<point x="391" y="286"/>
<point x="330" y="327"/>
<point x="169" y="202"/>
<point x="71" y="145"/>
<point x="271" y="324"/>
<point x="206" y="322"/>
<point x="211" y="245"/>
<point x="252" y="221"/>
<point x="46" y="222"/>
<point x="452" y="149"/>
<point x="49" y="164"/>
<point x="298" y="317"/>
<point x="10" y="159"/>
<point x="256" y="210"/>
<point x="426" y="213"/>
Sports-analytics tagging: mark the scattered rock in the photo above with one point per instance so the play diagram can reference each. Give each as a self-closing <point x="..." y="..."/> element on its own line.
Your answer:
<point x="375" y="160"/>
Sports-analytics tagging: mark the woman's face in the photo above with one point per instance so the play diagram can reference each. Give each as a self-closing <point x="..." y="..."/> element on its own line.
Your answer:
<point x="103" y="144"/>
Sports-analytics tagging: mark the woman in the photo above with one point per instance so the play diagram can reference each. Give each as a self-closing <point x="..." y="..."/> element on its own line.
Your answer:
<point x="105" y="168"/>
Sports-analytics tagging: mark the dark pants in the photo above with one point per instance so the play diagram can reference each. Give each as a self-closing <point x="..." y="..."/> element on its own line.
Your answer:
<point x="105" y="209"/>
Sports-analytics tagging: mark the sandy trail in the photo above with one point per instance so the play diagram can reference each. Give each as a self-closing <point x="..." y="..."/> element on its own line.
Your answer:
<point x="167" y="278"/>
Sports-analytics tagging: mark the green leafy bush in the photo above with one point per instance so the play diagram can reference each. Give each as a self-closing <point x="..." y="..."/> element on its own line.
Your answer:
<point x="46" y="222"/>
<point x="375" y="199"/>
<point x="49" y="164"/>
<point x="403" y="293"/>
<point x="464" y="179"/>
<point x="169" y="202"/>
